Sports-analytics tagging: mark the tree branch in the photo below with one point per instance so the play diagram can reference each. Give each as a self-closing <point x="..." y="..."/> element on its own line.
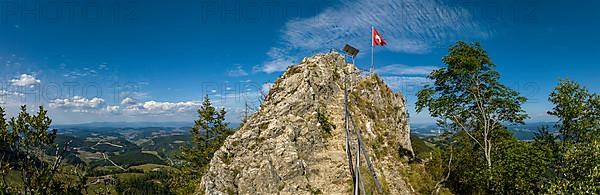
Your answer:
<point x="465" y="129"/>
<point x="439" y="183"/>
<point x="1" y="164"/>
<point x="58" y="161"/>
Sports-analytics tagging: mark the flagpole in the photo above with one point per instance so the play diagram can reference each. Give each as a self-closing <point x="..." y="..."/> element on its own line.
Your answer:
<point x="372" y="45"/>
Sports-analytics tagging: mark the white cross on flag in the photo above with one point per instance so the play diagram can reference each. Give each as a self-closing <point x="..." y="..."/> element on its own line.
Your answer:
<point x="377" y="39"/>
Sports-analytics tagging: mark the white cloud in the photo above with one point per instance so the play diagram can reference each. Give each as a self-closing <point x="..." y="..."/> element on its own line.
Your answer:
<point x="279" y="61"/>
<point x="133" y="95"/>
<point x="409" y="26"/>
<point x="168" y="106"/>
<point x="237" y="72"/>
<point x="77" y="104"/>
<point x="85" y="72"/>
<point x="103" y="66"/>
<point x="112" y="109"/>
<point x="129" y="101"/>
<point x="128" y="106"/>
<point x="404" y="83"/>
<point x="154" y="107"/>
<point x="25" y="80"/>
<point x="401" y="69"/>
<point x="91" y="71"/>
<point x="4" y="93"/>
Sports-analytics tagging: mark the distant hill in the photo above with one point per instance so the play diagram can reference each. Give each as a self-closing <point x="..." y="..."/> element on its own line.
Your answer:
<point x="132" y="125"/>
<point x="521" y="132"/>
<point x="127" y="124"/>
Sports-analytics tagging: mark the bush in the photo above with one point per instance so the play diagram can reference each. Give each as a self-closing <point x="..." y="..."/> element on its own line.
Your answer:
<point x="326" y="125"/>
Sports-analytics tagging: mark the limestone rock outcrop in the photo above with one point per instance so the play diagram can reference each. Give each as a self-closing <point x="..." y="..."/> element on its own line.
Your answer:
<point x="295" y="143"/>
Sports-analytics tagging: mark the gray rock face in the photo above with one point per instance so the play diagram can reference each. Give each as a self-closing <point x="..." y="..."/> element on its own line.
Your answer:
<point x="286" y="148"/>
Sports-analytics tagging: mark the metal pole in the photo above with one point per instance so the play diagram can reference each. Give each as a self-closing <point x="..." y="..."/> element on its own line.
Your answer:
<point x="369" y="164"/>
<point x="356" y="184"/>
<point x="357" y="169"/>
<point x="366" y="154"/>
<point x="346" y="119"/>
<point x="372" y="47"/>
<point x="357" y="180"/>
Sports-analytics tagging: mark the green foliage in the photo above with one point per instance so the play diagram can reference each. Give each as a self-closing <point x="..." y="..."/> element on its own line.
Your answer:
<point x="578" y="170"/>
<point x="152" y="182"/>
<point x="578" y="111"/>
<point x="468" y="99"/>
<point x="24" y="141"/>
<point x="469" y="85"/>
<point x="521" y="168"/>
<point x="420" y="148"/>
<point x="128" y="159"/>
<point x="546" y="165"/>
<point x="468" y="173"/>
<point x="326" y="125"/>
<point x="167" y="146"/>
<point x="208" y="135"/>
<point x="467" y="96"/>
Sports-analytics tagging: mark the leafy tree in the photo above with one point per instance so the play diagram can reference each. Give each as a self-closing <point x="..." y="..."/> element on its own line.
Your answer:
<point x="544" y="137"/>
<point x="579" y="172"/>
<point x="208" y="135"/>
<point x="468" y="100"/>
<point x="468" y="175"/>
<point x="467" y="96"/>
<point x="579" y="162"/>
<point x="546" y="141"/>
<point x="23" y="142"/>
<point x="520" y="167"/>
<point x="578" y="111"/>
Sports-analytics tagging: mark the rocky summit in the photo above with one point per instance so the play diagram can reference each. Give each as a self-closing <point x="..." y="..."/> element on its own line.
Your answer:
<point x="295" y="142"/>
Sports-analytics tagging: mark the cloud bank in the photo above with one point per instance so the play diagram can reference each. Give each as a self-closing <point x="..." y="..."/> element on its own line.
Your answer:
<point x="78" y="104"/>
<point x="25" y="80"/>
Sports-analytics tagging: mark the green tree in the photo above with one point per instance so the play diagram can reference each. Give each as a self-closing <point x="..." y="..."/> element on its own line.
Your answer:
<point x="520" y="167"/>
<point x="23" y="142"/>
<point x="578" y="111"/>
<point x="467" y="96"/>
<point x="579" y="162"/>
<point x="208" y="135"/>
<point x="579" y="172"/>
<point x="468" y="175"/>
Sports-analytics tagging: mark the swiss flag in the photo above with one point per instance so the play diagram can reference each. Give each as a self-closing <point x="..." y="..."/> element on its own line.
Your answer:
<point x="377" y="39"/>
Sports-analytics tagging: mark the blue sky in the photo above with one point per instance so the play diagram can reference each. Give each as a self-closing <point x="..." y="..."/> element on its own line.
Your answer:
<point x="154" y="60"/>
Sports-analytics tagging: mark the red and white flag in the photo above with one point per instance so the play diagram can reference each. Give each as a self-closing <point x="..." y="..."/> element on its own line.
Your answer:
<point x="377" y="39"/>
